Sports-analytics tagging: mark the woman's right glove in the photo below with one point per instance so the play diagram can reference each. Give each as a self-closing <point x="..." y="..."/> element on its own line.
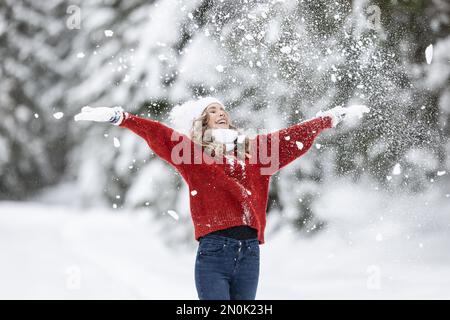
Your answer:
<point x="114" y="115"/>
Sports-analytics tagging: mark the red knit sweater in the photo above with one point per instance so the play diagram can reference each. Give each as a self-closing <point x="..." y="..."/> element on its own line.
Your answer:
<point x="228" y="193"/>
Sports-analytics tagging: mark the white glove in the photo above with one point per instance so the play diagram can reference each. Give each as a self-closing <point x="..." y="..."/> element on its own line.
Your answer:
<point x="337" y="114"/>
<point x="102" y="114"/>
<point x="351" y="114"/>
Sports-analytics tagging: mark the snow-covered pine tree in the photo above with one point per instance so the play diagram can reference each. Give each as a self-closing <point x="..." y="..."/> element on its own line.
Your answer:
<point x="35" y="72"/>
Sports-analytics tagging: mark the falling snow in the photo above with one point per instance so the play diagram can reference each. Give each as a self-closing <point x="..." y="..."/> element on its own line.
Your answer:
<point x="173" y="214"/>
<point x="429" y="53"/>
<point x="397" y="169"/>
<point x="58" y="115"/>
<point x="116" y="142"/>
<point x="108" y="33"/>
<point x="286" y="50"/>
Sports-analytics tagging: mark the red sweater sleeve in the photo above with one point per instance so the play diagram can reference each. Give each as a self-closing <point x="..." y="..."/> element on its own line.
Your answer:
<point x="160" y="138"/>
<point x="288" y="144"/>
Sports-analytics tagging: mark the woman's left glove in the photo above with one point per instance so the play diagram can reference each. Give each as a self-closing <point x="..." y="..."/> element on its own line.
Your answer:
<point x="336" y="114"/>
<point x="352" y="113"/>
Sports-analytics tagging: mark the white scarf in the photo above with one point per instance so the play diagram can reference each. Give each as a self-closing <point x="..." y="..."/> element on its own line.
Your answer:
<point x="225" y="136"/>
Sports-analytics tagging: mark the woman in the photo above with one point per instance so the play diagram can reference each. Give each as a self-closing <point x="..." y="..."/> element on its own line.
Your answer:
<point x="228" y="188"/>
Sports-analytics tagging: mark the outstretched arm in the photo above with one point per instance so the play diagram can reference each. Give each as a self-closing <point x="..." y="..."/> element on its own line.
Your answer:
<point x="158" y="136"/>
<point x="278" y="149"/>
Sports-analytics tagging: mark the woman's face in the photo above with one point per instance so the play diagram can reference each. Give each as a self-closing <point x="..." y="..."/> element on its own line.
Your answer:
<point x="218" y="118"/>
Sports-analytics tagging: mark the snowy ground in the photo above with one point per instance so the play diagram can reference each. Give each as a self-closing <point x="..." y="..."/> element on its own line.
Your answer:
<point x="53" y="251"/>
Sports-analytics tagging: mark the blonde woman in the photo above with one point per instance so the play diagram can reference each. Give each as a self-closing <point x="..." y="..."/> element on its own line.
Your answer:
<point x="228" y="177"/>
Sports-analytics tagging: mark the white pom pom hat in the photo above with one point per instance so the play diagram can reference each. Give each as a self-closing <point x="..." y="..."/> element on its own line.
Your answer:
<point x="182" y="115"/>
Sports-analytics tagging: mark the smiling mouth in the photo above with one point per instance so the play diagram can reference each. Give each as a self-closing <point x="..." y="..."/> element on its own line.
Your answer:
<point x="221" y="122"/>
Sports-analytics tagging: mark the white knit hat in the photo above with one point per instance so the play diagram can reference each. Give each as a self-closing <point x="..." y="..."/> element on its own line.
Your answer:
<point x="182" y="115"/>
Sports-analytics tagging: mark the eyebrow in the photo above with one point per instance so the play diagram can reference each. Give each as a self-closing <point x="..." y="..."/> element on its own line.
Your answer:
<point x="215" y="107"/>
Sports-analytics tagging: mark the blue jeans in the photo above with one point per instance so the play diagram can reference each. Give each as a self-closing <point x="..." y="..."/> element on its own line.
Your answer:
<point x="226" y="268"/>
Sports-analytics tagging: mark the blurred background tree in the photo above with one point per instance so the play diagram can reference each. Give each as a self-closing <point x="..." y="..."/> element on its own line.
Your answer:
<point x="273" y="63"/>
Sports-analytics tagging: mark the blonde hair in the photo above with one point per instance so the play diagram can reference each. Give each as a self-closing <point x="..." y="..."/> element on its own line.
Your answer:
<point x="200" y="134"/>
